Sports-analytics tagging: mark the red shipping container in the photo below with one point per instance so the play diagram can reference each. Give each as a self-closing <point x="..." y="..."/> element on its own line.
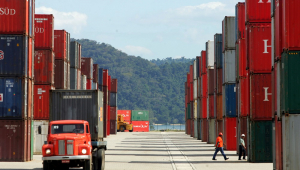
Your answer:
<point x="60" y="44"/>
<point x="244" y="97"/>
<point x="211" y="89"/>
<point x="114" y="85"/>
<point x="79" y="55"/>
<point x="211" y="106"/>
<point x="219" y="107"/>
<point x="140" y="126"/>
<point x="44" y="67"/>
<point x="109" y="83"/>
<point x="105" y="95"/>
<point x="219" y="128"/>
<point x="191" y="73"/>
<point x="113" y="127"/>
<point x="291" y="25"/>
<point x="108" y="120"/>
<point x="89" y="84"/>
<point x="113" y="113"/>
<point x="61" y="74"/>
<point x="242" y="58"/>
<point x="16" y="17"/>
<point x="105" y="77"/>
<point x="203" y="62"/>
<point x="204" y="85"/>
<point x="204" y="130"/>
<point x="191" y="92"/>
<point x="261" y="99"/>
<point x="95" y="72"/>
<point x="105" y="115"/>
<point x="44" y="31"/>
<point x="87" y="67"/>
<point x="219" y="80"/>
<point x="242" y="129"/>
<point x="204" y="108"/>
<point x="31" y="58"/>
<point x="259" y="48"/>
<point x="15" y="140"/>
<point x="41" y="101"/>
<point x="258" y="11"/>
<point x="241" y="20"/>
<point x="30" y="98"/>
<point x="229" y="135"/>
<point x="278" y="144"/>
<point x="199" y="65"/>
<point x="279" y="29"/>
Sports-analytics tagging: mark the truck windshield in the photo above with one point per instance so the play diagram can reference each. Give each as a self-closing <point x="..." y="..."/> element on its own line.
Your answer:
<point x="67" y="128"/>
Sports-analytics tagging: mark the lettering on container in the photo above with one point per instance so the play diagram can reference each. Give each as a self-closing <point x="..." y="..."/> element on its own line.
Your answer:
<point x="1" y="97"/>
<point x="140" y="113"/>
<point x="1" y="55"/>
<point x="12" y="127"/>
<point x="39" y="30"/>
<point x="9" y="84"/>
<point x="41" y="91"/>
<point x="7" y="11"/>
<point x="77" y="97"/>
<point x="266" y="46"/>
<point x="262" y="1"/>
<point x="266" y="94"/>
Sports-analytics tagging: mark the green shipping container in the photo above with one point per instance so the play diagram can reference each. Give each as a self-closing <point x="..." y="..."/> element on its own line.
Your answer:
<point x="260" y="141"/>
<point x="188" y="113"/>
<point x="290" y="82"/>
<point x="139" y="115"/>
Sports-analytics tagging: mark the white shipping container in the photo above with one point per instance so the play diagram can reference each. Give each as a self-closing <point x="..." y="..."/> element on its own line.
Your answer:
<point x="228" y="31"/>
<point x="195" y="69"/>
<point x="210" y="54"/>
<point x="290" y="141"/>
<point x="211" y="131"/>
<point x="195" y="89"/>
<point x="195" y="109"/>
<point x="40" y="128"/>
<point x="83" y="82"/>
<point x="229" y="66"/>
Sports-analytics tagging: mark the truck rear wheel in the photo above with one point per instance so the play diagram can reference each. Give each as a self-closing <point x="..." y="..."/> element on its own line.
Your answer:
<point x="122" y="128"/>
<point x="99" y="163"/>
<point x="87" y="165"/>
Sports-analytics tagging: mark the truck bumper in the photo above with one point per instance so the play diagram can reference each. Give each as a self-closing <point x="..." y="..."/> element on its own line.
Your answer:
<point x="55" y="158"/>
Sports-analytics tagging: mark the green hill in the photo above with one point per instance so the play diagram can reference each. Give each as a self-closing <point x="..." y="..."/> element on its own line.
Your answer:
<point x="156" y="85"/>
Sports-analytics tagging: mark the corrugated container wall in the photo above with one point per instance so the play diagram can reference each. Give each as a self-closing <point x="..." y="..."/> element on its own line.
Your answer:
<point x="229" y="67"/>
<point x="204" y="130"/>
<point x="204" y="84"/>
<point x="228" y="32"/>
<point x="79" y="56"/>
<point x="219" y="80"/>
<point x="278" y="22"/>
<point x="105" y="77"/>
<point x="210" y="54"/>
<point x="61" y="74"/>
<point x="60" y="44"/>
<point x="40" y="133"/>
<point x="212" y="131"/>
<point x="79" y="105"/>
<point x="44" y="32"/>
<point x="73" y="78"/>
<point x="203" y="62"/>
<point x="95" y="72"/>
<point x="113" y="113"/>
<point x="258" y="11"/>
<point x="78" y="79"/>
<point x="114" y="85"/>
<point x="140" y="126"/>
<point x="74" y="54"/>
<point x="240" y="20"/>
<point x="113" y="99"/>
<point x="126" y="114"/>
<point x="210" y="86"/>
<point x="242" y="58"/>
<point x="218" y="50"/>
<point x="68" y="46"/>
<point x="140" y="115"/>
<point x="44" y="67"/>
<point x="83" y="82"/>
<point x="41" y="101"/>
<point x="195" y="70"/>
<point x="229" y="135"/>
<point x="100" y="77"/>
<point x="230" y="100"/>
<point x="18" y="18"/>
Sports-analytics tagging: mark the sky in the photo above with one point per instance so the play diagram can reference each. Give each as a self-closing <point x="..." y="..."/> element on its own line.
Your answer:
<point x="150" y="29"/>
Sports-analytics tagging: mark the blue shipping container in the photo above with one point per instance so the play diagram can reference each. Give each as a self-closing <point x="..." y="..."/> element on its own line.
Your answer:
<point x="230" y="103"/>
<point x="218" y="50"/>
<point x="13" y="98"/>
<point x="14" y="55"/>
<point x="100" y="77"/>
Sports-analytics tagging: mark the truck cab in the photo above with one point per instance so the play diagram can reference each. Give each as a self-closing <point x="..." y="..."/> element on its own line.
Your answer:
<point x="68" y="145"/>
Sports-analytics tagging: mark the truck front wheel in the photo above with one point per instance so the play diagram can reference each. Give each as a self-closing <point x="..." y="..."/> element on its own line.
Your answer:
<point x="47" y="166"/>
<point x="122" y="128"/>
<point x="99" y="162"/>
<point x="87" y="165"/>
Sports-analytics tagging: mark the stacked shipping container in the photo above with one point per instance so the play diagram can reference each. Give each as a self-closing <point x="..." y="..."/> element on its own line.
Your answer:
<point x="113" y="106"/>
<point x="16" y="80"/>
<point x="75" y="65"/>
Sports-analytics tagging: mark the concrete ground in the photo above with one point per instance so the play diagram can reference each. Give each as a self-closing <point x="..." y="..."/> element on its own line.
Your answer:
<point x="157" y="150"/>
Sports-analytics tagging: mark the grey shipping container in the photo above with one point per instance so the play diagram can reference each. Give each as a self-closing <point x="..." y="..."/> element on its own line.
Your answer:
<point x="211" y="131"/>
<point x="74" y="54"/>
<point x="229" y="66"/>
<point x="68" y="46"/>
<point x="79" y="105"/>
<point x="73" y="78"/>
<point x="83" y="82"/>
<point x="228" y="31"/>
<point x="40" y="132"/>
<point x="210" y="54"/>
<point x="290" y="141"/>
<point x="195" y="129"/>
<point x="113" y="99"/>
<point x="218" y="50"/>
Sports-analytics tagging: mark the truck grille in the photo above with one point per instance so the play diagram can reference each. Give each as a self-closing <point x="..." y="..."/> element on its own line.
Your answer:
<point x="69" y="147"/>
<point x="61" y="147"/>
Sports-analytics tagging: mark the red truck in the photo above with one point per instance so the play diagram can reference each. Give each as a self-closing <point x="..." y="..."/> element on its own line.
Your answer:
<point x="69" y="145"/>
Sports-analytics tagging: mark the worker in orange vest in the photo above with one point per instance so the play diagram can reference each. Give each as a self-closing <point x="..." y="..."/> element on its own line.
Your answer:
<point x="219" y="147"/>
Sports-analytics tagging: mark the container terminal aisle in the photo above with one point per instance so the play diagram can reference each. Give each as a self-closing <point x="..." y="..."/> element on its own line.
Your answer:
<point x="160" y="151"/>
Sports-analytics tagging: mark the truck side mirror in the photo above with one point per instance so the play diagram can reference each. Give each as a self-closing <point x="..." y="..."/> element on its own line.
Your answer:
<point x="39" y="130"/>
<point x="96" y="129"/>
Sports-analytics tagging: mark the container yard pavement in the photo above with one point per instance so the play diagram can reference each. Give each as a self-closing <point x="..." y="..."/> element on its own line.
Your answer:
<point x="157" y="150"/>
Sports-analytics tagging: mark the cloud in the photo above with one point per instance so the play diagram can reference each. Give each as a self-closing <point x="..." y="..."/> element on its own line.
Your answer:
<point x="198" y="9"/>
<point x="136" y="50"/>
<point x="70" y="21"/>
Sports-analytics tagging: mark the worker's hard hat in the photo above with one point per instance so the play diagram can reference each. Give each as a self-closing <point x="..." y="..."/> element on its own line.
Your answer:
<point x="220" y="134"/>
<point x="243" y="134"/>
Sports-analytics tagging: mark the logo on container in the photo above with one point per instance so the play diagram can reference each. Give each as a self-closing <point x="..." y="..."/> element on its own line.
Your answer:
<point x="39" y="30"/>
<point x="7" y="11"/>
<point x="262" y="1"/>
<point x="266" y="46"/>
<point x="1" y="55"/>
<point x="266" y="94"/>
<point x="1" y="97"/>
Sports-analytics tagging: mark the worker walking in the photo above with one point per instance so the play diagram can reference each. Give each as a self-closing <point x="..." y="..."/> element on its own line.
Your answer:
<point x="219" y="147"/>
<point x="242" y="147"/>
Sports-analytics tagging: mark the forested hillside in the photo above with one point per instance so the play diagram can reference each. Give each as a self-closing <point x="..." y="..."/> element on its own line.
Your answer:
<point x="156" y="85"/>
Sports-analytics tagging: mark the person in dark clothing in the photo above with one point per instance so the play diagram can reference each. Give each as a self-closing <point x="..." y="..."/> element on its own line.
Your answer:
<point x="219" y="147"/>
<point x="242" y="147"/>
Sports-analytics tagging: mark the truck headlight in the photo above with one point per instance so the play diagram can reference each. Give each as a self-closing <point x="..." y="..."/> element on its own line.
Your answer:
<point x="83" y="151"/>
<point x="48" y="151"/>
